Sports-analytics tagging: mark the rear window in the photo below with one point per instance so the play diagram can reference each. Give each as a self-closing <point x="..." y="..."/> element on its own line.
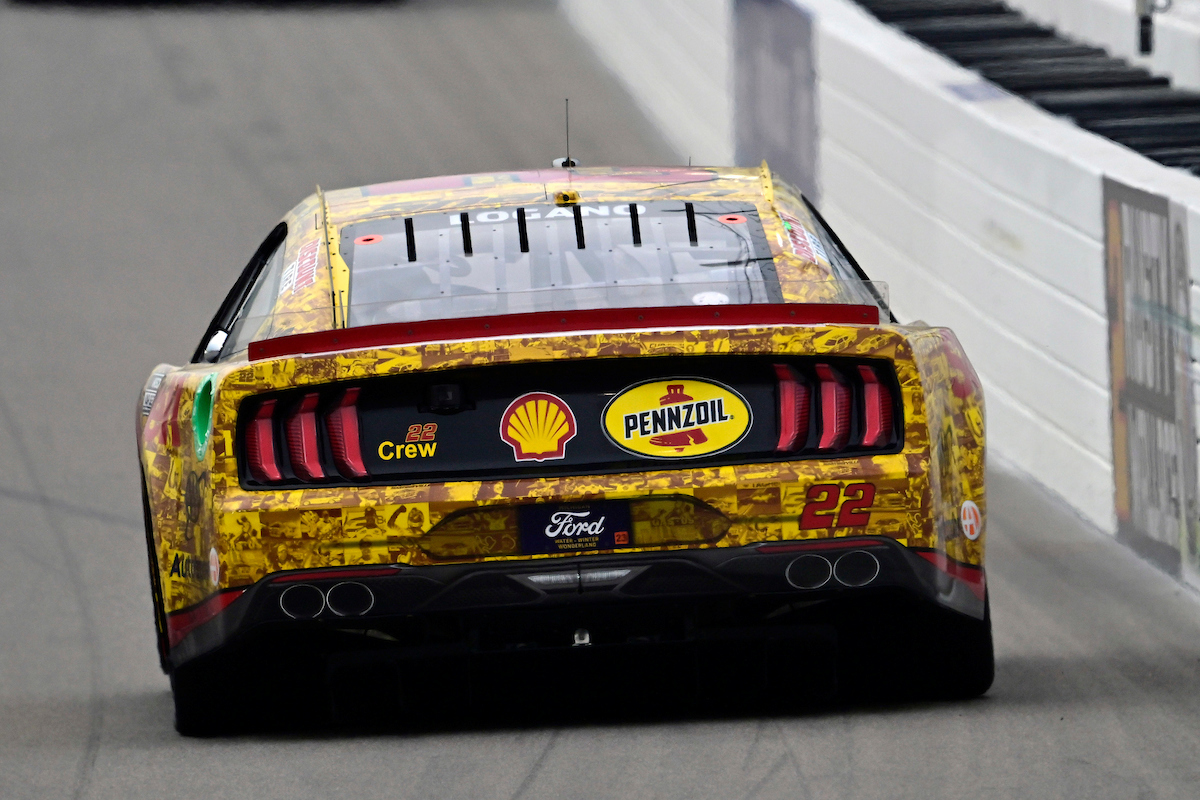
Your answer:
<point x="556" y="258"/>
<point x="258" y="304"/>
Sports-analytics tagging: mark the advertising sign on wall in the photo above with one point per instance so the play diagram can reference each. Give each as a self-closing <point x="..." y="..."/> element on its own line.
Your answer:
<point x="1154" y="442"/>
<point x="775" y="86"/>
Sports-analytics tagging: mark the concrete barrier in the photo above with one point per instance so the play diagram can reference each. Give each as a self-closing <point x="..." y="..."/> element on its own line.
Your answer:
<point x="674" y="55"/>
<point x="981" y="211"/>
<point x="1114" y="25"/>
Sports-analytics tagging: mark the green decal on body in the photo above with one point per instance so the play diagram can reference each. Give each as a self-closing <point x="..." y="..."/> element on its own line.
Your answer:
<point x="202" y="414"/>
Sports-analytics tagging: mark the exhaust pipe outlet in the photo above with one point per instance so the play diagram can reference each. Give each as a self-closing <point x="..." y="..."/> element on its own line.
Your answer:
<point x="302" y="601"/>
<point x="856" y="568"/>
<point x="350" y="599"/>
<point x="809" y="572"/>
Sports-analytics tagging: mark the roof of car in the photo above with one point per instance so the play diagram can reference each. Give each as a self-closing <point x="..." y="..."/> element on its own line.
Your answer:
<point x="316" y="273"/>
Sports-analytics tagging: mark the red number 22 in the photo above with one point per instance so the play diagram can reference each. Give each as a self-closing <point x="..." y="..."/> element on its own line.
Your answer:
<point x="421" y="433"/>
<point x="823" y="499"/>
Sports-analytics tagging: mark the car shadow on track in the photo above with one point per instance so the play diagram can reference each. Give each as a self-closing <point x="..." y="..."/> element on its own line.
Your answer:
<point x="557" y="693"/>
<point x="555" y="700"/>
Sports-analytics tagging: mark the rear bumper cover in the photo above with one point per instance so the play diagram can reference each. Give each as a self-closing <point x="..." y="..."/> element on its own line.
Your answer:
<point x="380" y="598"/>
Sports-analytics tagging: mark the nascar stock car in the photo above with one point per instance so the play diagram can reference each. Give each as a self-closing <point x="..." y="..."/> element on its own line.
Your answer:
<point x="571" y="411"/>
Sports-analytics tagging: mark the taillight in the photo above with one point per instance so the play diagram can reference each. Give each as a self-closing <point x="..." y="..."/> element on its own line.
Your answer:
<point x="877" y="408"/>
<point x="342" y="423"/>
<point x="973" y="577"/>
<point x="843" y="401"/>
<point x="302" y="439"/>
<point x="835" y="408"/>
<point x="181" y="623"/>
<point x="793" y="409"/>
<point x="260" y="445"/>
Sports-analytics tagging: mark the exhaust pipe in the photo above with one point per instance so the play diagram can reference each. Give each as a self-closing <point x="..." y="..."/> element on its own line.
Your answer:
<point x="302" y="601"/>
<point x="809" y="572"/>
<point x="350" y="599"/>
<point x="856" y="568"/>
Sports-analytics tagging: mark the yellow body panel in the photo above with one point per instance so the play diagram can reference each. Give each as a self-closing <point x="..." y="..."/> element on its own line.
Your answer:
<point x="199" y="504"/>
<point x="201" y="515"/>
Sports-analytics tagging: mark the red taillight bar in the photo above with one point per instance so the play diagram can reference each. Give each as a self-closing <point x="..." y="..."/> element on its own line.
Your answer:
<point x="342" y="423"/>
<point x="260" y="445"/>
<point x="336" y="574"/>
<point x="181" y="623"/>
<point x="974" y="577"/>
<point x="877" y="404"/>
<point x="825" y="544"/>
<point x="793" y="409"/>
<point x="302" y="439"/>
<point x="835" y="409"/>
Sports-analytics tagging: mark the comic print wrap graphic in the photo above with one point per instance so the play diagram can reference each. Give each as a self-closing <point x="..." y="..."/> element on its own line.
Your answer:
<point x="956" y="440"/>
<point x="918" y="491"/>
<point x="257" y="533"/>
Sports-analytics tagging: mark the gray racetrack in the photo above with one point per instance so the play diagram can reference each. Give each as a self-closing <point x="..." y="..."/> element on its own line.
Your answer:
<point x="143" y="155"/>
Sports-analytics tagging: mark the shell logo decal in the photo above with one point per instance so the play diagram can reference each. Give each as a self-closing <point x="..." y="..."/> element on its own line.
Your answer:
<point x="538" y="426"/>
<point x="677" y="418"/>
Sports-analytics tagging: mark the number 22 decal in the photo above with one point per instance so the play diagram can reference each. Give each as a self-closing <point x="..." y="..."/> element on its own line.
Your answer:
<point x="822" y="511"/>
<point x="421" y="433"/>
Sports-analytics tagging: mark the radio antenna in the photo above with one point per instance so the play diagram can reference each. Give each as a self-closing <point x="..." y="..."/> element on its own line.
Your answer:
<point x="566" y="163"/>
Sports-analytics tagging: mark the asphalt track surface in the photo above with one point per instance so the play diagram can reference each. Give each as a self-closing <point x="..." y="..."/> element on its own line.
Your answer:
<point x="143" y="154"/>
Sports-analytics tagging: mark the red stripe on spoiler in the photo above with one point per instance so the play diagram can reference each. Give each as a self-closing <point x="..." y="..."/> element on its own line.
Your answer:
<point x="541" y="322"/>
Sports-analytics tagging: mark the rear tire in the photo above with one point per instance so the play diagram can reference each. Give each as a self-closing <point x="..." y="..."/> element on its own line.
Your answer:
<point x="272" y="684"/>
<point x="965" y="656"/>
<point x="900" y="647"/>
<point x="202" y="707"/>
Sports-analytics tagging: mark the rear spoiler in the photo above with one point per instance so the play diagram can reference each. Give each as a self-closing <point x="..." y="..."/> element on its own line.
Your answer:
<point x="565" y="322"/>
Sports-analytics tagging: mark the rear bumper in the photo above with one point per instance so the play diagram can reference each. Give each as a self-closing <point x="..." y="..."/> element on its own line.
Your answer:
<point x="600" y="599"/>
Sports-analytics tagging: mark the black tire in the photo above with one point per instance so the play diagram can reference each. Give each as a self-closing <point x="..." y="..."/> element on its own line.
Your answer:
<point x="270" y="684"/>
<point x="966" y="660"/>
<point x="202" y="706"/>
<point x="156" y="595"/>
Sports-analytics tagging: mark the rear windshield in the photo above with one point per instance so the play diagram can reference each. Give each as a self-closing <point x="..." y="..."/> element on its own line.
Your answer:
<point x="258" y="304"/>
<point x="556" y="258"/>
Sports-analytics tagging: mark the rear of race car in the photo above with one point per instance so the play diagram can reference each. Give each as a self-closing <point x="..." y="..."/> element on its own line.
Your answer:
<point x="776" y="494"/>
<point x="563" y="495"/>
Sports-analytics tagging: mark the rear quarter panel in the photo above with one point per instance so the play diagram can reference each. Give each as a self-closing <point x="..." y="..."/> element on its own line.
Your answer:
<point x="954" y="417"/>
<point x="201" y="513"/>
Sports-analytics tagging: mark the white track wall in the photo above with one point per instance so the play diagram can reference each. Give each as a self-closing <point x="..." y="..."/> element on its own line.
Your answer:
<point x="674" y="57"/>
<point x="984" y="216"/>
<point x="1114" y="25"/>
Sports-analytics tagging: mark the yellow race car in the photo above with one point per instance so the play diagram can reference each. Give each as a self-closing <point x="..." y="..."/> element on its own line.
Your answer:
<point x="574" y="413"/>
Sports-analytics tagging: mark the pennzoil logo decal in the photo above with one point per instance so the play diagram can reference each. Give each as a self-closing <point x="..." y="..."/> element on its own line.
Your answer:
<point x="538" y="426"/>
<point x="677" y="418"/>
